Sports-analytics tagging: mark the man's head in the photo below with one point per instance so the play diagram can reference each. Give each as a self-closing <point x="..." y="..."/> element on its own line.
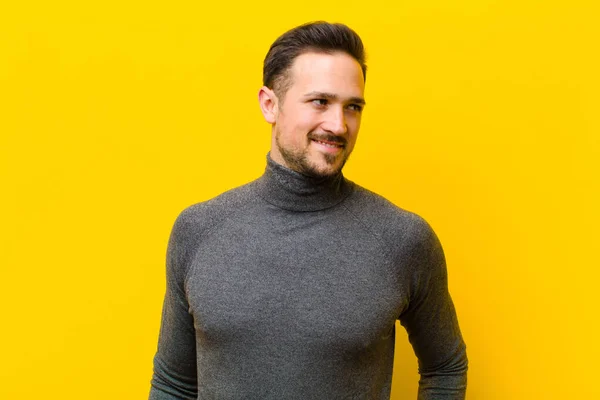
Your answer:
<point x="313" y="95"/>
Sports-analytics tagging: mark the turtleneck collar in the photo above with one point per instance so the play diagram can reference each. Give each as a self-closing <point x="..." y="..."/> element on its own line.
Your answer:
<point x="293" y="191"/>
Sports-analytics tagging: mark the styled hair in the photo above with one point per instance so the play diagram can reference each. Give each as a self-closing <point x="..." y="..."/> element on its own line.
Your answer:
<point x="318" y="37"/>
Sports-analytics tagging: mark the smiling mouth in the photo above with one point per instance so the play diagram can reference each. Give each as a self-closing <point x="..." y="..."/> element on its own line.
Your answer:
<point x="333" y="145"/>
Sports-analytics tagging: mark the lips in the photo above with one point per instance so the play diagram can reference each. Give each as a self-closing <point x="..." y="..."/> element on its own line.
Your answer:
<point x="331" y="141"/>
<point x="329" y="144"/>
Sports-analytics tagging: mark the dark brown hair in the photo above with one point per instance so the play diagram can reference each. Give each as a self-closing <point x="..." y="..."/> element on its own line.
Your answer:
<point x="320" y="37"/>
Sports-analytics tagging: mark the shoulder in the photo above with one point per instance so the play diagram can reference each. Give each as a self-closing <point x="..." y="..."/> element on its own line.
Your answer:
<point x="401" y="230"/>
<point x="201" y="217"/>
<point x="381" y="214"/>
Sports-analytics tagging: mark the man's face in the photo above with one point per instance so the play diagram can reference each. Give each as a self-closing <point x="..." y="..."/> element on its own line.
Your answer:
<point x="317" y="123"/>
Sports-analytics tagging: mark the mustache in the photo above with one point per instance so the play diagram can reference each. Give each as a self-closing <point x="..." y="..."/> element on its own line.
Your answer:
<point x="326" y="137"/>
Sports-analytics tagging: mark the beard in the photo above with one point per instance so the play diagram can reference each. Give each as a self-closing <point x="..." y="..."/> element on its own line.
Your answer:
<point x="298" y="160"/>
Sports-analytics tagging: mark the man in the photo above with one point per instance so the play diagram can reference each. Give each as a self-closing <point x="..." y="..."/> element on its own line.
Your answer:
<point x="289" y="286"/>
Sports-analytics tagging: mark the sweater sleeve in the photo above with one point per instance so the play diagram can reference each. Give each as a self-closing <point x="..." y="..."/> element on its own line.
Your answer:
<point x="174" y="376"/>
<point x="432" y="326"/>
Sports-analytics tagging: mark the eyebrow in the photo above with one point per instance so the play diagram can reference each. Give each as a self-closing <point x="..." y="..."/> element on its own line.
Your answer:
<point x="331" y="96"/>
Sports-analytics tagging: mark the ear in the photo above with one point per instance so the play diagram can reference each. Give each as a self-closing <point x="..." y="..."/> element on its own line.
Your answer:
<point x="268" y="104"/>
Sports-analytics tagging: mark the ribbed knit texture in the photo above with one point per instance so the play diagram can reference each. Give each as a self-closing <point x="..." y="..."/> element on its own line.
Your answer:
<point x="289" y="287"/>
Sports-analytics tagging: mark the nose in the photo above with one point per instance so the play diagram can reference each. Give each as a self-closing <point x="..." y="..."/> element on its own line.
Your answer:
<point x="336" y="121"/>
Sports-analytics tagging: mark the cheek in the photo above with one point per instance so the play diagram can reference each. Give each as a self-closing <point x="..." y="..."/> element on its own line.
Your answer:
<point x="306" y="119"/>
<point x="354" y="121"/>
<point x="303" y="122"/>
<point x="353" y="127"/>
<point x="295" y="123"/>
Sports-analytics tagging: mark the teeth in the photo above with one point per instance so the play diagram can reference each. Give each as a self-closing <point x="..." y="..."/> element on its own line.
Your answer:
<point x="327" y="144"/>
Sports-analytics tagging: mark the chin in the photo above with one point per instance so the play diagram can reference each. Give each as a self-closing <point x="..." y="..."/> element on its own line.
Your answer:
<point x="314" y="164"/>
<point x="324" y="169"/>
<point x="322" y="173"/>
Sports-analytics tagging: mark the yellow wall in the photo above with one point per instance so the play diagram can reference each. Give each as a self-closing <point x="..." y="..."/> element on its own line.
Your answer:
<point x="483" y="117"/>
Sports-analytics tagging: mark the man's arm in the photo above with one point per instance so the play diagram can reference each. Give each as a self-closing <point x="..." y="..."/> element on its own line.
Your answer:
<point x="432" y="325"/>
<point x="174" y="375"/>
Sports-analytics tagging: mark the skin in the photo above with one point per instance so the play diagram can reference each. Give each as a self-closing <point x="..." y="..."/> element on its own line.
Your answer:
<point x="314" y="130"/>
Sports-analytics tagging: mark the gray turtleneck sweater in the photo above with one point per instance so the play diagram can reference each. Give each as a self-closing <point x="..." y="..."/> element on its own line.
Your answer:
<point x="289" y="288"/>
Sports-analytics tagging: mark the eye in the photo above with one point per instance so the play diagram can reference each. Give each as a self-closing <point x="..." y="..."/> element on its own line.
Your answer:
<point x="355" y="107"/>
<point x="320" y="102"/>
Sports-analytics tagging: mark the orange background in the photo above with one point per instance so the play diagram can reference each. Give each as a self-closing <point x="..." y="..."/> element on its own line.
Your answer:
<point x="116" y="115"/>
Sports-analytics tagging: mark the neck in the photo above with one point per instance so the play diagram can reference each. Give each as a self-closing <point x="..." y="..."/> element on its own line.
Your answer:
<point x="291" y="190"/>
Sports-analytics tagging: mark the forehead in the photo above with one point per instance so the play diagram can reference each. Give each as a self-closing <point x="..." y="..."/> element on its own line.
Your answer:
<point x="336" y="73"/>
